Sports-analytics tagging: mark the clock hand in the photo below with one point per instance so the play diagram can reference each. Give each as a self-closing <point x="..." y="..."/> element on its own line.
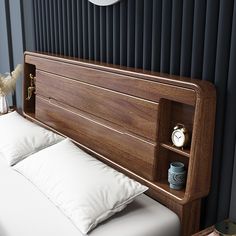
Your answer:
<point x="176" y="136"/>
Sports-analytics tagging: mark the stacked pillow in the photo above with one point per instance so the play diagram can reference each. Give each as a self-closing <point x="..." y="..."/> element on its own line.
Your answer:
<point x="86" y="190"/>
<point x="20" y="138"/>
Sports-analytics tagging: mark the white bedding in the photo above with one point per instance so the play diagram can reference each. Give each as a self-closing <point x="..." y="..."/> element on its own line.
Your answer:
<point x="25" y="211"/>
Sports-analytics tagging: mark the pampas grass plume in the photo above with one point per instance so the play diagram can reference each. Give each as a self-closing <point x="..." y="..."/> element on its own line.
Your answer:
<point x="8" y="83"/>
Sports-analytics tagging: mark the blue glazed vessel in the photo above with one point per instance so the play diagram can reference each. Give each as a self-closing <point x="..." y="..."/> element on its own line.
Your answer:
<point x="177" y="175"/>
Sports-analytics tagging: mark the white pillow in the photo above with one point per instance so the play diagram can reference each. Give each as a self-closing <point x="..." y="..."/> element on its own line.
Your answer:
<point x="20" y="138"/>
<point x="86" y="190"/>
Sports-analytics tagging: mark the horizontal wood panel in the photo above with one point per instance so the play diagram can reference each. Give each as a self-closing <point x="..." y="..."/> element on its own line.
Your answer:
<point x="129" y="151"/>
<point x="134" y="114"/>
<point x="142" y="88"/>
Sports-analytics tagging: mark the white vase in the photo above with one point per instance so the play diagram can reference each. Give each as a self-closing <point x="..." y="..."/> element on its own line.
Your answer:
<point x="3" y="105"/>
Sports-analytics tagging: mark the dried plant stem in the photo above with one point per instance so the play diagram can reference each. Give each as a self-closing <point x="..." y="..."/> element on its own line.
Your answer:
<point x="8" y="83"/>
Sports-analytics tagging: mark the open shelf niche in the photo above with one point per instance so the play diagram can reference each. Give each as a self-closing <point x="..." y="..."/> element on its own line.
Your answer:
<point x="29" y="105"/>
<point x="171" y="114"/>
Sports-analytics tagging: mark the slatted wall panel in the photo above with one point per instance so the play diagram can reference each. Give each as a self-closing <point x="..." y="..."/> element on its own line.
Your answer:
<point x="184" y="37"/>
<point x="133" y="33"/>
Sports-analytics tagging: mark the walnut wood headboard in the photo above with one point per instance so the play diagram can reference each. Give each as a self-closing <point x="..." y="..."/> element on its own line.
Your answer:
<point x="125" y="118"/>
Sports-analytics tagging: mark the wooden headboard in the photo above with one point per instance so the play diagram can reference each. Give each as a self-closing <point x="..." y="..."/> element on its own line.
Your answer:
<point x="125" y="118"/>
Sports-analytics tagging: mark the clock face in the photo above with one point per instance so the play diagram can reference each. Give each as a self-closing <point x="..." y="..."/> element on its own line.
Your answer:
<point x="178" y="138"/>
<point x="103" y="2"/>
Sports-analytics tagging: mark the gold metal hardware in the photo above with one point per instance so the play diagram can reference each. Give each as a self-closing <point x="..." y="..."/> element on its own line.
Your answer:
<point x="31" y="88"/>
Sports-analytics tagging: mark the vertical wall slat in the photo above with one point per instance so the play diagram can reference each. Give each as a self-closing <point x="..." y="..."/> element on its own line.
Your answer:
<point x="80" y="30"/>
<point x="156" y="35"/>
<point x="55" y="29"/>
<point x="91" y="31"/>
<point x="36" y="25"/>
<point x="123" y="33"/>
<point x="51" y="24"/>
<point x="43" y="21"/>
<point x="176" y="29"/>
<point x="69" y="36"/>
<point x="138" y="39"/>
<point x="47" y="25"/>
<point x="147" y="35"/>
<point x="65" y="28"/>
<point x="38" y="9"/>
<point x="29" y="26"/>
<point x="109" y="34"/>
<point x="198" y="38"/>
<point x="130" y="33"/>
<point x="85" y="28"/>
<point x="116" y="34"/>
<point x="96" y="33"/>
<point x="102" y="34"/>
<point x="60" y="28"/>
<point x="40" y="24"/>
<point x="211" y="29"/>
<point x="187" y="35"/>
<point x="166" y="35"/>
<point x="74" y="28"/>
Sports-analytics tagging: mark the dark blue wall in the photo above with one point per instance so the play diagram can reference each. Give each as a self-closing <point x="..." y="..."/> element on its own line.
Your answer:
<point x="6" y="61"/>
<point x="16" y="35"/>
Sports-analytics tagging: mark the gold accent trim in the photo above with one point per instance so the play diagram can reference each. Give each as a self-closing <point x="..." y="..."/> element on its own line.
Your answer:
<point x="31" y="88"/>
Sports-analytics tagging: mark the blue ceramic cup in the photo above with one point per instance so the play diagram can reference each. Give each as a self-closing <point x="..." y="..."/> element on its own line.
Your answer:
<point x="177" y="175"/>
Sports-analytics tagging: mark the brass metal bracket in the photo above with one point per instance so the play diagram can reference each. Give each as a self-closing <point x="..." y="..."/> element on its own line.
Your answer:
<point x="31" y="88"/>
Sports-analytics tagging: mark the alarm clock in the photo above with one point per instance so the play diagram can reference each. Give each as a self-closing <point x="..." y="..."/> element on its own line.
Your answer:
<point x="180" y="136"/>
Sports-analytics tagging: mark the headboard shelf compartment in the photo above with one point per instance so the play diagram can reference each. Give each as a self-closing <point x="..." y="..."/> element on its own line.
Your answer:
<point x="165" y="157"/>
<point x="171" y="114"/>
<point x="125" y="117"/>
<point x="168" y="145"/>
<point x="29" y="105"/>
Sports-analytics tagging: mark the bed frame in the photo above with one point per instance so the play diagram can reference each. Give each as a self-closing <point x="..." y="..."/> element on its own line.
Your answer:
<point x="125" y="117"/>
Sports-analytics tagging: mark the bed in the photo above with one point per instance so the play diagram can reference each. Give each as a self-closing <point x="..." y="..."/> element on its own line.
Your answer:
<point x="123" y="117"/>
<point x="25" y="216"/>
